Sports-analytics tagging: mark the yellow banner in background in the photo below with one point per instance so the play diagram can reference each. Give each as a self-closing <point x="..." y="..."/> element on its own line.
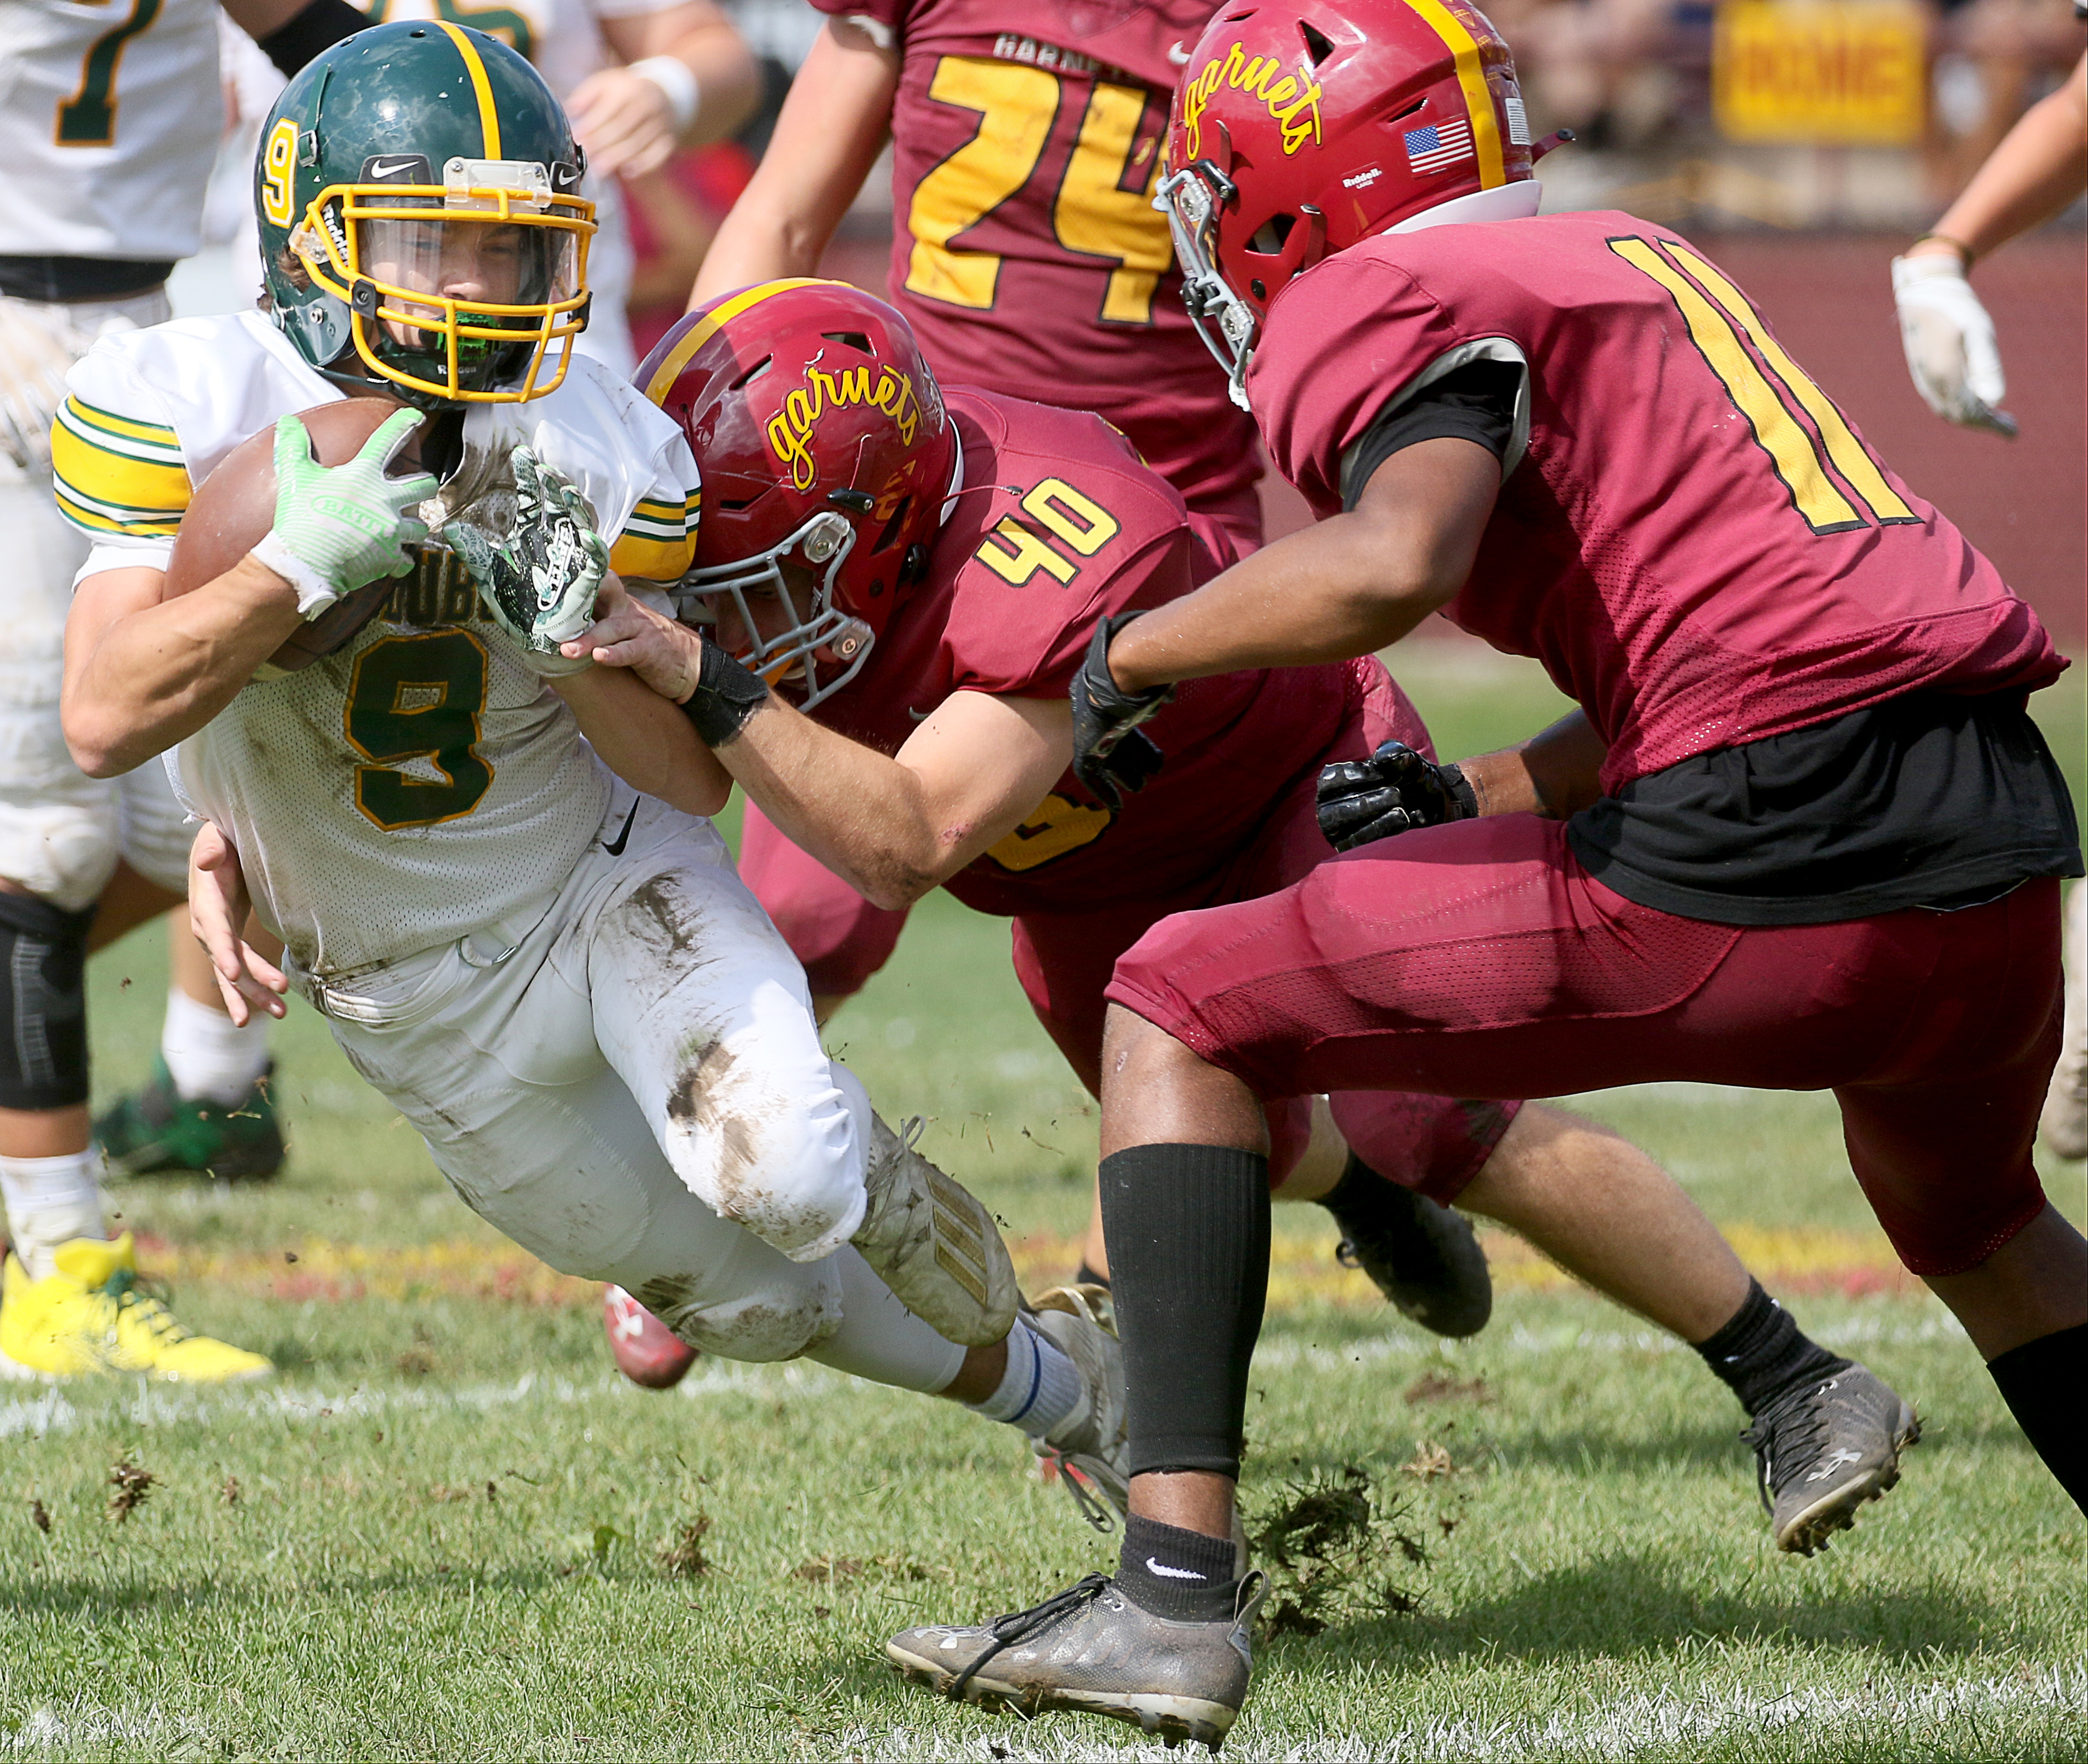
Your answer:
<point x="1843" y="73"/>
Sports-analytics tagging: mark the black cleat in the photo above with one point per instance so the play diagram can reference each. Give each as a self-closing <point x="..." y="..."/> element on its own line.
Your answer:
<point x="1825" y="1450"/>
<point x="1091" y="1650"/>
<point x="1423" y="1256"/>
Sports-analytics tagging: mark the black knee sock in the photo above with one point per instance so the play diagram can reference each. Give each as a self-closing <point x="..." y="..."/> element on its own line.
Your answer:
<point x="1762" y="1354"/>
<point x="2042" y="1382"/>
<point x="1188" y="1244"/>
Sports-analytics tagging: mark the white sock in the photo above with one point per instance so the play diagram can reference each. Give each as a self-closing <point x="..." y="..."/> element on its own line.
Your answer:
<point x="50" y="1202"/>
<point x="211" y="1060"/>
<point x="1040" y="1389"/>
<point x="879" y="1338"/>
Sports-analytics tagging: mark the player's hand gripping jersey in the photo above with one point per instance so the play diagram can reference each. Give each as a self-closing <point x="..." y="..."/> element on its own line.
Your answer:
<point x="1026" y="252"/>
<point x="1697" y="544"/>
<point x="421" y="781"/>
<point x="1058" y="526"/>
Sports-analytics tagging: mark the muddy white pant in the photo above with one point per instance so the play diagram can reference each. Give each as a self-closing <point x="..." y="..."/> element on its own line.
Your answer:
<point x="628" y="1082"/>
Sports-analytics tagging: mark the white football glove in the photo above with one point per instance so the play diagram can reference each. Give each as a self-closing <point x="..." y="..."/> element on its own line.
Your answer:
<point x="1951" y="351"/>
<point x="37" y="346"/>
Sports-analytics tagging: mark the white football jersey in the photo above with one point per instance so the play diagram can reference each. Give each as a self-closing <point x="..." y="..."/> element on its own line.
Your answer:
<point x="421" y="782"/>
<point x="110" y="116"/>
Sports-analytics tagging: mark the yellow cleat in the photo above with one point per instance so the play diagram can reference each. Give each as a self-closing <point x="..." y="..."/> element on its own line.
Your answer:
<point x="92" y="1317"/>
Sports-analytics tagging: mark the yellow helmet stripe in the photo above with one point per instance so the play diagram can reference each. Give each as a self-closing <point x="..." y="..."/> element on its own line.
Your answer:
<point x="488" y="118"/>
<point x="684" y="351"/>
<point x="1472" y="81"/>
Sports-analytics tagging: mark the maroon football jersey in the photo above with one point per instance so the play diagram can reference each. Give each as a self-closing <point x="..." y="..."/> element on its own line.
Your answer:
<point x="1026" y="252"/>
<point x="1698" y="545"/>
<point x="1058" y="526"/>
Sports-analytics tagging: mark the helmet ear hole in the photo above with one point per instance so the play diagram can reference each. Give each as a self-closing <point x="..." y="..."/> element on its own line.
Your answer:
<point x="753" y="372"/>
<point x="888" y="536"/>
<point x="1318" y="44"/>
<point x="1274" y="234"/>
<point x="858" y="341"/>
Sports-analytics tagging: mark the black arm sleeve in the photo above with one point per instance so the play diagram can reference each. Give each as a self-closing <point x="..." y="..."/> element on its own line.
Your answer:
<point x="313" y="30"/>
<point x="1475" y="402"/>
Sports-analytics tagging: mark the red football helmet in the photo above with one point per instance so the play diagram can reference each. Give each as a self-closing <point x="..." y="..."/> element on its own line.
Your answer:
<point x="823" y="444"/>
<point x="1301" y="127"/>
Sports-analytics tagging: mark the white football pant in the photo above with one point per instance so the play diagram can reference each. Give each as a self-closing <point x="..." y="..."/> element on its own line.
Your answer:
<point x="628" y="1082"/>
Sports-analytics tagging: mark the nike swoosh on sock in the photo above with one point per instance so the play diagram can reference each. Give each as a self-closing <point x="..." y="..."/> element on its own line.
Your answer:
<point x="1173" y="1573"/>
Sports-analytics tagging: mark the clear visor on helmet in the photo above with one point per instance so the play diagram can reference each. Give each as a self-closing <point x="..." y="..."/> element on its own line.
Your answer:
<point x="796" y="636"/>
<point x="1191" y="199"/>
<point x="490" y="265"/>
<point x="459" y="288"/>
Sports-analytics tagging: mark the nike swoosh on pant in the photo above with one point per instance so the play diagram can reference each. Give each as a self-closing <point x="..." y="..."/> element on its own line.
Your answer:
<point x="614" y="847"/>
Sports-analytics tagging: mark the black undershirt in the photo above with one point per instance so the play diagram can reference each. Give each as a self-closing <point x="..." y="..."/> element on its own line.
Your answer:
<point x="1925" y="799"/>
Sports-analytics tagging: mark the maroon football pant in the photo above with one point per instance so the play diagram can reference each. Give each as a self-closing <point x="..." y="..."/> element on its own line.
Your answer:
<point x="1432" y="1144"/>
<point x="1480" y="959"/>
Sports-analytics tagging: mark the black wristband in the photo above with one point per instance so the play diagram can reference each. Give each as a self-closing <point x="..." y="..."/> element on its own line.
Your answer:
<point x="726" y="695"/>
<point x="1463" y="799"/>
<point x="311" y="33"/>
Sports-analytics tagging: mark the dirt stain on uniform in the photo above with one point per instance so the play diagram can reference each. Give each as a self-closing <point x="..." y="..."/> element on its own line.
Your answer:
<point x="702" y="1102"/>
<point x="664" y="918"/>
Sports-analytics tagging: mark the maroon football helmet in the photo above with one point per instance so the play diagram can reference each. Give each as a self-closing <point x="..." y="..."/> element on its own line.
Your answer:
<point x="1301" y="127"/>
<point x="824" y="443"/>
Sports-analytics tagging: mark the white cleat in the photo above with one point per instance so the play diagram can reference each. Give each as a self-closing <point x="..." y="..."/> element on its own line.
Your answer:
<point x="930" y="1239"/>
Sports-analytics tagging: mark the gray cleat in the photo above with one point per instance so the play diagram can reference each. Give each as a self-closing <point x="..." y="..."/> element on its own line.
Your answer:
<point x="1088" y="1448"/>
<point x="1826" y="1449"/>
<point x="1091" y="1650"/>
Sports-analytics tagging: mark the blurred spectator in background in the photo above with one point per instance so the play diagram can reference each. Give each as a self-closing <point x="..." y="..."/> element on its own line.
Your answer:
<point x="1599" y="67"/>
<point x="675" y="211"/>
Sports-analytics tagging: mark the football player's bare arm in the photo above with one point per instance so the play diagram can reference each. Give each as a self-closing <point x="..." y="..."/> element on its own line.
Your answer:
<point x="688" y="80"/>
<point x="2041" y="165"/>
<point x="832" y="127"/>
<point x="644" y="740"/>
<point x="1556" y="773"/>
<point x="219" y="905"/>
<point x="263" y="17"/>
<point x="1346" y="586"/>
<point x="142" y="672"/>
<point x="894" y="827"/>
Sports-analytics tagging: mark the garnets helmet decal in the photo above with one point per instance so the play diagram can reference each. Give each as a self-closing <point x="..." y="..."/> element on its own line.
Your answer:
<point x="419" y="231"/>
<point x="829" y="461"/>
<point x="1303" y="126"/>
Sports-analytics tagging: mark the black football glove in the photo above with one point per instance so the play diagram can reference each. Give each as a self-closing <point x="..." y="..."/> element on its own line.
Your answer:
<point x="1394" y="791"/>
<point x="1110" y="750"/>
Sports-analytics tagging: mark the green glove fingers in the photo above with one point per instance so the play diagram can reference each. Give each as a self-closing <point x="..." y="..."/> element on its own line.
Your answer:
<point x="339" y="528"/>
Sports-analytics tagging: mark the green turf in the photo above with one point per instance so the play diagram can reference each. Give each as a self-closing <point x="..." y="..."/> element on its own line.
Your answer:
<point x="452" y="1530"/>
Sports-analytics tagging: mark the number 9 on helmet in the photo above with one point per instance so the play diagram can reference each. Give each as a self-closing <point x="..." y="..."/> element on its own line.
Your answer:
<point x="829" y="463"/>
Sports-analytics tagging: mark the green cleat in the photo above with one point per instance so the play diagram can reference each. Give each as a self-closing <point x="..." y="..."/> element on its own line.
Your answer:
<point x="155" y="1129"/>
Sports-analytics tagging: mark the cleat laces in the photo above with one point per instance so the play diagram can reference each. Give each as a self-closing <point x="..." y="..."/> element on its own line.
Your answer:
<point x="1019" y="1625"/>
<point x="129" y="1294"/>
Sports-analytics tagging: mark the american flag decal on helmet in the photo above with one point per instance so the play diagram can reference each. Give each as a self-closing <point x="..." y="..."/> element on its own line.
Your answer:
<point x="1438" y="144"/>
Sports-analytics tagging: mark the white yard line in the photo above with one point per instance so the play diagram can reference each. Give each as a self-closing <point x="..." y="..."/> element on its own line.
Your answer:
<point x="53" y="1409"/>
<point x="1945" y="1711"/>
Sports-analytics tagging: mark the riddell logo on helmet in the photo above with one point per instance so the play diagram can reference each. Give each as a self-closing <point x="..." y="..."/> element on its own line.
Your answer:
<point x="790" y="429"/>
<point x="1294" y="103"/>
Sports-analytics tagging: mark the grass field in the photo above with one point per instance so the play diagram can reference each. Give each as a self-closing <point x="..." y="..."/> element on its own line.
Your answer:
<point x="448" y="1529"/>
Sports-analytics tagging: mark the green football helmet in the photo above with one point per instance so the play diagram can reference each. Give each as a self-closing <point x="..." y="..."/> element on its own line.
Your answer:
<point x="419" y="228"/>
